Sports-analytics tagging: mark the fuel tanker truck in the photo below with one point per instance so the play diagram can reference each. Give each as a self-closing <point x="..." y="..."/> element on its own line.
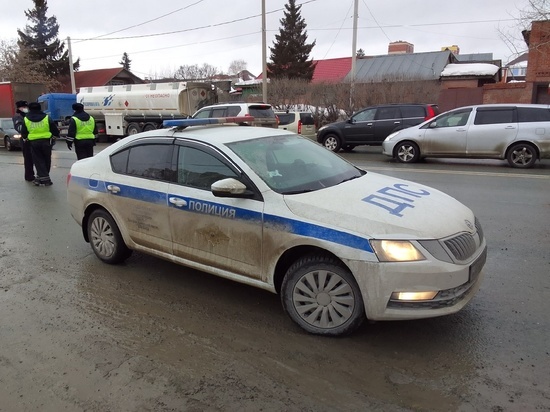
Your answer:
<point x="132" y="108"/>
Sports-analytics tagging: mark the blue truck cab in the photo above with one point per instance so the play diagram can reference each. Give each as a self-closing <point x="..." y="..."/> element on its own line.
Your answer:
<point x="58" y="105"/>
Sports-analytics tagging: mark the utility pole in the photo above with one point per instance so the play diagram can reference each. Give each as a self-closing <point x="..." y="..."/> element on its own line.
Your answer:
<point x="353" y="58"/>
<point x="71" y="71"/>
<point x="264" y="56"/>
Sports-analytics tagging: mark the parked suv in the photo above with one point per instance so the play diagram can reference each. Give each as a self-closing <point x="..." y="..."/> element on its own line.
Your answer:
<point x="301" y="123"/>
<point x="372" y="125"/>
<point x="262" y="113"/>
<point x="519" y="133"/>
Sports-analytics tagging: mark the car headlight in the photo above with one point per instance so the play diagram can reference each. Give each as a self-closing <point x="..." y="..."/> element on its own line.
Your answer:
<point x="396" y="251"/>
<point x="16" y="136"/>
<point x="391" y="136"/>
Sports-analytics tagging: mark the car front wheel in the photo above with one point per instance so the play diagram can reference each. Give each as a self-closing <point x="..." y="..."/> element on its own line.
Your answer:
<point x="522" y="155"/>
<point x="321" y="295"/>
<point x="105" y="238"/>
<point x="407" y="152"/>
<point x="332" y="142"/>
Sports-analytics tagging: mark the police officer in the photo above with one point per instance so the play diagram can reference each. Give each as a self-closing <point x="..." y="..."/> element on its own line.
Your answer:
<point x="18" y="120"/>
<point x="82" y="131"/>
<point x="40" y="131"/>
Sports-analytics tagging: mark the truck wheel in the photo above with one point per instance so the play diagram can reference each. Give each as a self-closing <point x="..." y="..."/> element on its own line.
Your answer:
<point x="133" y="128"/>
<point x="149" y="126"/>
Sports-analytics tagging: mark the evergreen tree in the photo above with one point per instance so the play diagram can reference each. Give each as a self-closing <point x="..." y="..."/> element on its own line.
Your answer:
<point x="290" y="52"/>
<point x="125" y="62"/>
<point x="40" y="40"/>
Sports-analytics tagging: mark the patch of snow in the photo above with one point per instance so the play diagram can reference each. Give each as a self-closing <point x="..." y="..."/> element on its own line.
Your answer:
<point x="469" y="69"/>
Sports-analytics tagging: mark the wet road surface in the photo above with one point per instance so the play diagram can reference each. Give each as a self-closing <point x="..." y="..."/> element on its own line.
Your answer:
<point x="79" y="335"/>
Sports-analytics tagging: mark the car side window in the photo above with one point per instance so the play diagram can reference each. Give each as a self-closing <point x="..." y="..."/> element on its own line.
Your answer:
<point x="453" y="119"/>
<point x="233" y="111"/>
<point x="219" y="112"/>
<point x="413" y="111"/>
<point x="364" y="116"/>
<point x="202" y="114"/>
<point x="387" y="113"/>
<point x="199" y="169"/>
<point x="150" y="161"/>
<point x="495" y="116"/>
<point x="533" y="114"/>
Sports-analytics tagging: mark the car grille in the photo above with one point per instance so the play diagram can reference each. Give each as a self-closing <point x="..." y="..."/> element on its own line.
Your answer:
<point x="463" y="246"/>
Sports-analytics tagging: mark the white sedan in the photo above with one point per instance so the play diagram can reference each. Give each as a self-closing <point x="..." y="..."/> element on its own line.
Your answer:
<point x="277" y="211"/>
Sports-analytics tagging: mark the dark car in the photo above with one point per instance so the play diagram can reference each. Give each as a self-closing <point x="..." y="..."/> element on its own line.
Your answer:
<point x="370" y="126"/>
<point x="9" y="135"/>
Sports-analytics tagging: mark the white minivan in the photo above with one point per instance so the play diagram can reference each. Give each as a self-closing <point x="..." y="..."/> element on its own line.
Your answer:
<point x="519" y="133"/>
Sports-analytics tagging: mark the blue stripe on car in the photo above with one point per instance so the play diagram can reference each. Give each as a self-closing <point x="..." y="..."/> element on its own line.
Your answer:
<point x="272" y="222"/>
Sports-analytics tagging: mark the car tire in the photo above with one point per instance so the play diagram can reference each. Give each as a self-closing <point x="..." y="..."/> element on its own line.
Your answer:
<point x="105" y="238"/>
<point x="322" y="297"/>
<point x="7" y="143"/>
<point x="133" y="128"/>
<point x="522" y="155"/>
<point x="407" y="152"/>
<point x="332" y="142"/>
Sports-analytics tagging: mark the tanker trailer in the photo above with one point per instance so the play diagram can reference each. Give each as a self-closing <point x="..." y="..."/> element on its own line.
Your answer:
<point x="133" y="108"/>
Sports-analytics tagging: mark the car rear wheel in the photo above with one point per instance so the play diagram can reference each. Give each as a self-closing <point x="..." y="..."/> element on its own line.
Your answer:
<point x="522" y="155"/>
<point x="105" y="238"/>
<point x="321" y="295"/>
<point x="332" y="142"/>
<point x="407" y="152"/>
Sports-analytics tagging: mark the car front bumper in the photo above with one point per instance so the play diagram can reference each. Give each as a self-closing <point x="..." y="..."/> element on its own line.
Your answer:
<point x="455" y="285"/>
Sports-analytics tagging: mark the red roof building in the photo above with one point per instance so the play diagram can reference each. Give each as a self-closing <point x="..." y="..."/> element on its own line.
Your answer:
<point x="101" y="77"/>
<point x="329" y="70"/>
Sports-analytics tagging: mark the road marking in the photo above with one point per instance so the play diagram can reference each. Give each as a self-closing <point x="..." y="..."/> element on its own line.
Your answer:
<point x="459" y="172"/>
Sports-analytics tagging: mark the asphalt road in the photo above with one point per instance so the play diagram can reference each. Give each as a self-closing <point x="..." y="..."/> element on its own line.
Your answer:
<point x="80" y="335"/>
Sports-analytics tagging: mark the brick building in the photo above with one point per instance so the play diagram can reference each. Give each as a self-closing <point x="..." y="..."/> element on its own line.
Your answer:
<point x="535" y="89"/>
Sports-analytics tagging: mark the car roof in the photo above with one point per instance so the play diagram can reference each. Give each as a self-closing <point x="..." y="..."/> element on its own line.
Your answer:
<point x="216" y="134"/>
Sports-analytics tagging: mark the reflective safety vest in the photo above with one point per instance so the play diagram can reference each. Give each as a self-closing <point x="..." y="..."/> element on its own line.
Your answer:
<point x="38" y="130"/>
<point x="84" y="130"/>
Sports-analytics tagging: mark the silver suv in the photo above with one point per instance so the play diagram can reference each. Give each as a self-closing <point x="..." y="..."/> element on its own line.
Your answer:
<point x="261" y="112"/>
<point x="519" y="133"/>
<point x="298" y="122"/>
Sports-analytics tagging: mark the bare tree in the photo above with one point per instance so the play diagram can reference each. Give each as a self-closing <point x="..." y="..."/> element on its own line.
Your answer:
<point x="196" y="72"/>
<point x="17" y="65"/>
<point x="535" y="10"/>
<point x="236" y="66"/>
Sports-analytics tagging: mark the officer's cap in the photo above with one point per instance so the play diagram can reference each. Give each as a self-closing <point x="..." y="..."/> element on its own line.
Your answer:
<point x="21" y="103"/>
<point x="34" y="106"/>
<point x="78" y="106"/>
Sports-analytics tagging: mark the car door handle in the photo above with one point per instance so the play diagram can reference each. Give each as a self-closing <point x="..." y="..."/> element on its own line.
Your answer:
<point x="113" y="188"/>
<point x="396" y="122"/>
<point x="460" y="130"/>
<point x="510" y="127"/>
<point x="176" y="201"/>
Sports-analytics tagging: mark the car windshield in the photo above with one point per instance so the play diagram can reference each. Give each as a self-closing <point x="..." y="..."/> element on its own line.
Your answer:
<point x="6" y="124"/>
<point x="291" y="164"/>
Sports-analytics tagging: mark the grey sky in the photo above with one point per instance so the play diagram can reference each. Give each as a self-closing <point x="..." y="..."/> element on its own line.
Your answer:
<point x="217" y="32"/>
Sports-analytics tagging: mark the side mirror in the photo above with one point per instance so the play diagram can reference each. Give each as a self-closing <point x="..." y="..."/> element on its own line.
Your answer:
<point x="432" y="125"/>
<point x="229" y="188"/>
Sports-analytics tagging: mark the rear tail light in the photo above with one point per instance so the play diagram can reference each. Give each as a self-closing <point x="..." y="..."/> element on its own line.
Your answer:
<point x="431" y="113"/>
<point x="68" y="179"/>
<point x="299" y="127"/>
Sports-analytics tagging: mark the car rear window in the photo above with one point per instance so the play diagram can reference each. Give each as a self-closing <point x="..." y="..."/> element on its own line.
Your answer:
<point x="533" y="114"/>
<point x="261" y="111"/>
<point x="494" y="116"/>
<point x="307" y="119"/>
<point x="285" y="118"/>
<point x="413" y="111"/>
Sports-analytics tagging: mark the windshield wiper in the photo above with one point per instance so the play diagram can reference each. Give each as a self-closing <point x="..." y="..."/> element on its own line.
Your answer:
<point x="297" y="192"/>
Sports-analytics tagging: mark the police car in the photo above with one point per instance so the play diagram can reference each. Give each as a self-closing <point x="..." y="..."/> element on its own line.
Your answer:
<point x="272" y="209"/>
